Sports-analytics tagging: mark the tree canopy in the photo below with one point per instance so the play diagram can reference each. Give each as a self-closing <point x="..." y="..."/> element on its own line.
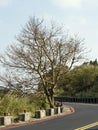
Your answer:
<point x="40" y="49"/>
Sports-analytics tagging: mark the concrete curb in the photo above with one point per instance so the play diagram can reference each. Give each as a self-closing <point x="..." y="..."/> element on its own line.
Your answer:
<point x="35" y="121"/>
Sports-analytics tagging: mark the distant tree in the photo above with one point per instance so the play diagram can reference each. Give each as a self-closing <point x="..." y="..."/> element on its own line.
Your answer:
<point x="91" y="62"/>
<point x="80" y="79"/>
<point x="40" y="49"/>
<point x="95" y="62"/>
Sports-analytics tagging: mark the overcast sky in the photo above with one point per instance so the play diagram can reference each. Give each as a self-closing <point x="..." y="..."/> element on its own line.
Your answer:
<point x="79" y="17"/>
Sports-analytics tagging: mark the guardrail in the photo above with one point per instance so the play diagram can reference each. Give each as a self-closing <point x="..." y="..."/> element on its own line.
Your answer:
<point x="76" y="99"/>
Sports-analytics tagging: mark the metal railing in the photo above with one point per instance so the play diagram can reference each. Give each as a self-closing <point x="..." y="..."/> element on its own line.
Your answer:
<point x="76" y="99"/>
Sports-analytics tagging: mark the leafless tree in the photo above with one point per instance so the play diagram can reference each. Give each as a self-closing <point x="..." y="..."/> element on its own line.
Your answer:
<point x="41" y="49"/>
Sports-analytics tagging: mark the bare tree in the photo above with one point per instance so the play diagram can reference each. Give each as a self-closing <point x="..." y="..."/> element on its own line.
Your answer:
<point x="40" y="50"/>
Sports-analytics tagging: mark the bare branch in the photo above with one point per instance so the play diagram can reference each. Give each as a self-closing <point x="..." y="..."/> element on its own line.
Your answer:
<point x="42" y="54"/>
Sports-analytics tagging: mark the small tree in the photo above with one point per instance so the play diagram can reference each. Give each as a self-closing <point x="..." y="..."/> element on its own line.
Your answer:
<point x="40" y="50"/>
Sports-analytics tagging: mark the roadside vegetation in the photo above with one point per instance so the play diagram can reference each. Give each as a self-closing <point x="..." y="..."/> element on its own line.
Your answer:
<point x="14" y="103"/>
<point x="81" y="81"/>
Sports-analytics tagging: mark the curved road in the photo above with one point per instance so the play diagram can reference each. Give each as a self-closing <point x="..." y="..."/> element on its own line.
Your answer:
<point x="84" y="114"/>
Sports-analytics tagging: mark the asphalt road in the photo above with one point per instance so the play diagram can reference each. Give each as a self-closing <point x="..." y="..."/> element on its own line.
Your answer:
<point x="84" y="114"/>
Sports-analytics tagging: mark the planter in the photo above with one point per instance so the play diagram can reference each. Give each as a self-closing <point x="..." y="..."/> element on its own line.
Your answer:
<point x="5" y="120"/>
<point x="57" y="110"/>
<point x="25" y="116"/>
<point x="40" y="113"/>
<point x="50" y="112"/>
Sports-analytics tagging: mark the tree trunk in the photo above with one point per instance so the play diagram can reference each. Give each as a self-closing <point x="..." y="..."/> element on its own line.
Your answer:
<point x="49" y="94"/>
<point x="51" y="101"/>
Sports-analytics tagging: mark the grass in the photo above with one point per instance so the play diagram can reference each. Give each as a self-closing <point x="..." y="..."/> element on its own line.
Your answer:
<point x="14" y="104"/>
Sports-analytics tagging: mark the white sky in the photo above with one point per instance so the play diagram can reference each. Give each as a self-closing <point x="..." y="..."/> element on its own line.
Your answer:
<point x="79" y="17"/>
